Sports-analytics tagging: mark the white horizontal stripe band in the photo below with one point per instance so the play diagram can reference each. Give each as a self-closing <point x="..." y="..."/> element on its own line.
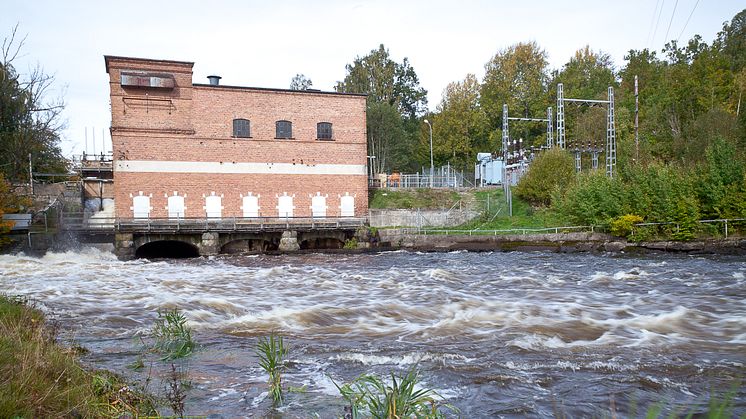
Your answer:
<point x="155" y="166"/>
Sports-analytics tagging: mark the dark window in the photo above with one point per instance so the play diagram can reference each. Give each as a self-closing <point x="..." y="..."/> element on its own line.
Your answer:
<point x="324" y="130"/>
<point x="284" y="129"/>
<point x="241" y="128"/>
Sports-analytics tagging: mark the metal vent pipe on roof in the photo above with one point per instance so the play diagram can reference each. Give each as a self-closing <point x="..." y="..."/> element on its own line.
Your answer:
<point x="214" y="80"/>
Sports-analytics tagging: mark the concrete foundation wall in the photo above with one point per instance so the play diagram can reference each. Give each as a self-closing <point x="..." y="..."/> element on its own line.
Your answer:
<point x="421" y="218"/>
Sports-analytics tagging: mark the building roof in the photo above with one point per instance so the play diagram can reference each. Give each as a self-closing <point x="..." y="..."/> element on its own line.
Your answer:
<point x="272" y="89"/>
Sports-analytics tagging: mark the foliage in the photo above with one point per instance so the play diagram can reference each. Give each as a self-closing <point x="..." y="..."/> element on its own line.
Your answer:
<point x="173" y="338"/>
<point x="395" y="103"/>
<point x="350" y="244"/>
<point x="551" y="170"/>
<point x="9" y="203"/>
<point x="369" y="394"/>
<point x="300" y="82"/>
<point x="38" y="378"/>
<point x="386" y="133"/>
<point x="30" y="121"/>
<point x="723" y="182"/>
<point x="460" y="124"/>
<point x="587" y="75"/>
<point x="622" y="226"/>
<point x="517" y="76"/>
<point x="272" y="352"/>
<point x="594" y="199"/>
<point x="385" y="80"/>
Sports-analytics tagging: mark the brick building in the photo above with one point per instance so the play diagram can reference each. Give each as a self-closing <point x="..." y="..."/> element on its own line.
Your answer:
<point x="183" y="149"/>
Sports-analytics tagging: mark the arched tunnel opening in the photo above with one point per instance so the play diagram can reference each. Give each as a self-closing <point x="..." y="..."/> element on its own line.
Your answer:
<point x="172" y="249"/>
<point x="248" y="246"/>
<point x="322" y="243"/>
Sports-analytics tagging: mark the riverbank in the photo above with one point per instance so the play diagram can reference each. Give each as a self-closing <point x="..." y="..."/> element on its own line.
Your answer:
<point x="555" y="242"/>
<point x="40" y="378"/>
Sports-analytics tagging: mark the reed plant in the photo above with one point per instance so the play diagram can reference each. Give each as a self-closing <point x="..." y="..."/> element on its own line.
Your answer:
<point x="172" y="337"/>
<point x="272" y="351"/>
<point x="369" y="396"/>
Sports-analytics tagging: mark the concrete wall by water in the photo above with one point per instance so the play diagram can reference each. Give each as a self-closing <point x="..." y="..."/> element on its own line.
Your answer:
<point x="419" y="218"/>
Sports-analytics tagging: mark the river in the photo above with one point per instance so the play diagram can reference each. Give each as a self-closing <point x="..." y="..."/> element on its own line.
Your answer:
<point x="532" y="334"/>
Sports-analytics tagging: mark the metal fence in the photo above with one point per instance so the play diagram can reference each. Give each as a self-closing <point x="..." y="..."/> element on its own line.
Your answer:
<point x="564" y="229"/>
<point x="443" y="177"/>
<point x="76" y="222"/>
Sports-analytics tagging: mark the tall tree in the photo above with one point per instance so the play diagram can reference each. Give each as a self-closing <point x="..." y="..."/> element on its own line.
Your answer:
<point x="518" y="76"/>
<point x="385" y="80"/>
<point x="460" y="127"/>
<point x="300" y="82"/>
<point x="587" y="75"/>
<point x="389" y="85"/>
<point x="30" y="121"/>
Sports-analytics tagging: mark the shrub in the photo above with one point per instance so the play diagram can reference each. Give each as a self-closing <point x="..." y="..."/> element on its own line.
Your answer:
<point x="622" y="226"/>
<point x="553" y="169"/>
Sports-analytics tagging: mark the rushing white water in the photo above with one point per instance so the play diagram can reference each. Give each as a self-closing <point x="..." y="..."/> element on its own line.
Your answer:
<point x="512" y="334"/>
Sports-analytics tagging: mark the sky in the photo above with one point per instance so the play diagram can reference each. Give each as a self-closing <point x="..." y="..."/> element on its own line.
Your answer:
<point x="266" y="43"/>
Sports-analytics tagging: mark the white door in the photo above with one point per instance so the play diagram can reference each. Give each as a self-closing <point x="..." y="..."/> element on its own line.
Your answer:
<point x="141" y="206"/>
<point x="347" y="206"/>
<point x="250" y="206"/>
<point x="318" y="206"/>
<point x="213" y="206"/>
<point x="285" y="206"/>
<point x="175" y="206"/>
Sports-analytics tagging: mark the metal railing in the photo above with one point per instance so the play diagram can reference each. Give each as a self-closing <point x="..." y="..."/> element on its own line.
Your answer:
<point x="201" y="224"/>
<point x="563" y="229"/>
<point x="725" y="222"/>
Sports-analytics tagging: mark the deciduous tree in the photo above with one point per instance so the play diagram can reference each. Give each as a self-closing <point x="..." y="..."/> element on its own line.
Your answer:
<point x="30" y="119"/>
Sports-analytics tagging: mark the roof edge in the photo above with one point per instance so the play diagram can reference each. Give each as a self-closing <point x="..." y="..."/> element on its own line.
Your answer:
<point x="274" y="89"/>
<point x="107" y="58"/>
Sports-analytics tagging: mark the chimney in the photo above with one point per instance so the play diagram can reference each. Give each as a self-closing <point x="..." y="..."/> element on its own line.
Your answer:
<point x="214" y="80"/>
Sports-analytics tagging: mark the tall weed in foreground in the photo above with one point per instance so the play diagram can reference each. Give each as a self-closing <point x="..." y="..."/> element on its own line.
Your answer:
<point x="370" y="395"/>
<point x="272" y="352"/>
<point x="172" y="337"/>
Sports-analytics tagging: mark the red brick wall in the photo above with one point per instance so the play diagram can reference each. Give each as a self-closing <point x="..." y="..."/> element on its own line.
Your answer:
<point x="195" y="123"/>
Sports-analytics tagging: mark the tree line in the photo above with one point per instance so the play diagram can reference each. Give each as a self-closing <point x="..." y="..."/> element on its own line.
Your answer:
<point x="689" y="95"/>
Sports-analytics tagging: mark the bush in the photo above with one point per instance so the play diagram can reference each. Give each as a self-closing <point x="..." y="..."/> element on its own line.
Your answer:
<point x="551" y="170"/>
<point x="594" y="199"/>
<point x="622" y="226"/>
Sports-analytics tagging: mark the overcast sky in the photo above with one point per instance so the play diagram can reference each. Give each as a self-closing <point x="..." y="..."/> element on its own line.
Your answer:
<point x="265" y="43"/>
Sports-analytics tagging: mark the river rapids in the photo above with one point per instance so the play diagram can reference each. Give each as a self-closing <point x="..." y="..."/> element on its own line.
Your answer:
<point x="533" y="334"/>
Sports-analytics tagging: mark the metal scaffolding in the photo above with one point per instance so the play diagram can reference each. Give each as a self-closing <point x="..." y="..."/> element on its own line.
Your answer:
<point x="610" y="125"/>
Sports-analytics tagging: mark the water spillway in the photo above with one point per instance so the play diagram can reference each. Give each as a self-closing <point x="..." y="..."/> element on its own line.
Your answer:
<point x="496" y="334"/>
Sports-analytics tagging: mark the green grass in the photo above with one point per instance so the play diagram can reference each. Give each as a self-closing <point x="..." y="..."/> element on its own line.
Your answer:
<point x="39" y="378"/>
<point x="496" y="214"/>
<point x="413" y="198"/>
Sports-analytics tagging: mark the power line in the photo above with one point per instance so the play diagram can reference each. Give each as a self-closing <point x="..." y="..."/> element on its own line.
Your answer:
<point x="652" y="21"/>
<point x="687" y="20"/>
<point x="671" y="21"/>
<point x="663" y="3"/>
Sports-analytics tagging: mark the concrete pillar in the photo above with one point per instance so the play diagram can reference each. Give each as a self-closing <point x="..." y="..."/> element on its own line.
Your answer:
<point x="124" y="246"/>
<point x="289" y="242"/>
<point x="210" y="244"/>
